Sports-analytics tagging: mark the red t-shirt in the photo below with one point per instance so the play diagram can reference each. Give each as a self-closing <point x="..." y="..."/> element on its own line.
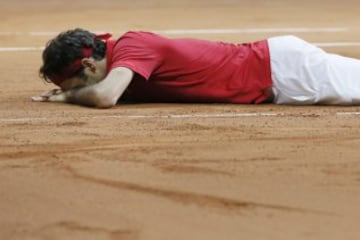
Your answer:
<point x="191" y="70"/>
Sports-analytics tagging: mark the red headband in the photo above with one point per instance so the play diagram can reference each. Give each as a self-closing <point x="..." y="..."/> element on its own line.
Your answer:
<point x="71" y="70"/>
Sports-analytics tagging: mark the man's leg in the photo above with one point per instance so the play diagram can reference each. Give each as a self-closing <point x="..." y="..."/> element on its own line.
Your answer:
<point x="304" y="74"/>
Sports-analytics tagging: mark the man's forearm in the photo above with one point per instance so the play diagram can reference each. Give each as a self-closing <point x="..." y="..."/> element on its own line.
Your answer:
<point x="91" y="96"/>
<point x="103" y="94"/>
<point x="88" y="96"/>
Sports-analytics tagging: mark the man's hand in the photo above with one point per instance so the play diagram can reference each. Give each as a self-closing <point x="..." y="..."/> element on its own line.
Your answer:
<point x="103" y="94"/>
<point x="55" y="95"/>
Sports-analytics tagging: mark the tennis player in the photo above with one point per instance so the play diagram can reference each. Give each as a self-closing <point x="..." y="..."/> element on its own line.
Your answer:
<point x="98" y="71"/>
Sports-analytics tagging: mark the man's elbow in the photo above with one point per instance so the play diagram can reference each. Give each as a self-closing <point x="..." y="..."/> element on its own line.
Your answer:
<point x="102" y="101"/>
<point x="105" y="103"/>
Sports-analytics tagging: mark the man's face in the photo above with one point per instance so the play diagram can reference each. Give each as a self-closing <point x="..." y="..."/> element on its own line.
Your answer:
<point x="95" y="71"/>
<point x="74" y="82"/>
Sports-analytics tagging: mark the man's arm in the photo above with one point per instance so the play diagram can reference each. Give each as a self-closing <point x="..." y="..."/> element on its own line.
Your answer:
<point x="103" y="94"/>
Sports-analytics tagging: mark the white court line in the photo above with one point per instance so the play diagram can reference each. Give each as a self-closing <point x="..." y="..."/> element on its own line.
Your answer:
<point x="214" y="115"/>
<point x="348" y="113"/>
<point x="205" y="31"/>
<point x="21" y="49"/>
<point x="326" y="44"/>
<point x="199" y="31"/>
<point x="166" y="116"/>
<point x="251" y="30"/>
<point x="337" y="44"/>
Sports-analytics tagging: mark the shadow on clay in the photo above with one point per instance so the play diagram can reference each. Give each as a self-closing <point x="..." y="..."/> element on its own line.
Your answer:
<point x="200" y="200"/>
<point x="71" y="228"/>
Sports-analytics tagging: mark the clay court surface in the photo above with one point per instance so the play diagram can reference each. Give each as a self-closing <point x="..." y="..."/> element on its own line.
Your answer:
<point x="175" y="171"/>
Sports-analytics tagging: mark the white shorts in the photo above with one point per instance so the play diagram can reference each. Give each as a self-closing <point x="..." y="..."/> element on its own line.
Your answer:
<point x="304" y="74"/>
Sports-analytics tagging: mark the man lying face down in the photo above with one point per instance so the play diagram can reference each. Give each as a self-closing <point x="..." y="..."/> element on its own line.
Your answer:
<point x="97" y="71"/>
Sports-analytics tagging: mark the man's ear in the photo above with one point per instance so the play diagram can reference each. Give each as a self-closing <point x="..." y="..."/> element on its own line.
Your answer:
<point x="88" y="63"/>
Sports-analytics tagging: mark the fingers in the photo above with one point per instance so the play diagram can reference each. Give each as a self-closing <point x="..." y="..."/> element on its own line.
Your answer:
<point x="51" y="92"/>
<point x="40" y="99"/>
<point x="55" y="95"/>
<point x="60" y="97"/>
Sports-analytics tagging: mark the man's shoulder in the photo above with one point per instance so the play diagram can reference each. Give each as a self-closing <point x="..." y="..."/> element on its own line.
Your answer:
<point x="139" y="35"/>
<point x="140" y="39"/>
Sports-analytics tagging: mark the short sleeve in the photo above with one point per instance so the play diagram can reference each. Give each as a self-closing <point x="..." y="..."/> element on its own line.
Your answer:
<point x="136" y="51"/>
